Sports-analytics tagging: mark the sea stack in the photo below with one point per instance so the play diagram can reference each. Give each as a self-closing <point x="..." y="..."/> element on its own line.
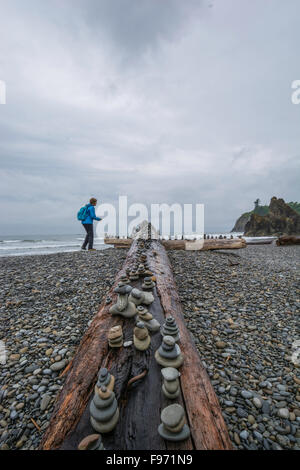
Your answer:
<point x="148" y="283"/>
<point x="150" y="323"/>
<point x="104" y="410"/>
<point x="170" y="328"/>
<point x="173" y="426"/>
<point x="169" y="354"/>
<point x="91" y="442"/>
<point x="141" y="338"/>
<point x="115" y="337"/>
<point x="123" y="307"/>
<point x="170" y="387"/>
<point x="139" y="297"/>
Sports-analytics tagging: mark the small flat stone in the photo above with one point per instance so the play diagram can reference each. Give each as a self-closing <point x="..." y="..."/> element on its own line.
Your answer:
<point x="221" y="344"/>
<point x="170" y="373"/>
<point x="169" y="340"/>
<point x="45" y="402"/>
<point x="172" y="415"/>
<point x="283" y="413"/>
<point x="244" y="435"/>
<point x="58" y="365"/>
<point x="170" y="436"/>
<point x="246" y="394"/>
<point x="257" y="402"/>
<point x="14" y="357"/>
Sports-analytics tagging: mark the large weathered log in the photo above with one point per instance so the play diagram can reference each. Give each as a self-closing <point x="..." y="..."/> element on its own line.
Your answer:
<point x="288" y="240"/>
<point x="140" y="404"/>
<point x="208" y="428"/>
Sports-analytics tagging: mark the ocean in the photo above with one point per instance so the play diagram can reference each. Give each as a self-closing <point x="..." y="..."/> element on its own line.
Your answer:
<point x="44" y="244"/>
<point x="25" y="245"/>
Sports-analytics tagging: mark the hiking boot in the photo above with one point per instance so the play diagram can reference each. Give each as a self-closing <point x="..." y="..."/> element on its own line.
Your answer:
<point x="92" y="249"/>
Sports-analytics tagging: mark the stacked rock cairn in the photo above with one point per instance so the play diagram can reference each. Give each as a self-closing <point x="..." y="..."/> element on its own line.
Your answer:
<point x="115" y="337"/>
<point x="133" y="275"/>
<point x="91" y="442"/>
<point x="139" y="297"/>
<point x="170" y="387"/>
<point x="123" y="307"/>
<point x="141" y="338"/>
<point x="148" y="283"/>
<point x="170" y="328"/>
<point x="173" y="426"/>
<point x="169" y="354"/>
<point x="124" y="279"/>
<point x="150" y="323"/>
<point x="104" y="407"/>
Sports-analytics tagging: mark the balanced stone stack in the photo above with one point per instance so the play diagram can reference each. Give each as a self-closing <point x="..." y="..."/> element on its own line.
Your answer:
<point x="105" y="378"/>
<point x="91" y="442"/>
<point x="124" y="279"/>
<point x="150" y="323"/>
<point x="141" y="338"/>
<point x="115" y="337"/>
<point x="148" y="283"/>
<point x="170" y="387"/>
<point x="141" y="270"/>
<point x="170" y="328"/>
<point x="169" y="354"/>
<point x="123" y="307"/>
<point x="133" y="275"/>
<point x="139" y="297"/>
<point x="173" y="426"/>
<point x="104" y="410"/>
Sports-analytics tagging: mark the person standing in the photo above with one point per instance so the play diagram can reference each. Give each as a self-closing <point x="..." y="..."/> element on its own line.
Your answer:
<point x="88" y="225"/>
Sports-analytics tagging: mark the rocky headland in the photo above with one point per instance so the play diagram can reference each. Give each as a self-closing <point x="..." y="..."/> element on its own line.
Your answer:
<point x="280" y="220"/>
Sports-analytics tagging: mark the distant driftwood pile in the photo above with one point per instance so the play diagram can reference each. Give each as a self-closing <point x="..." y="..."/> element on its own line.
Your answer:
<point x="288" y="240"/>
<point x="210" y="244"/>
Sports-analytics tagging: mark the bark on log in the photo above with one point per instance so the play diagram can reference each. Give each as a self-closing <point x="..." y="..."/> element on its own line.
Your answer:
<point x="140" y="405"/>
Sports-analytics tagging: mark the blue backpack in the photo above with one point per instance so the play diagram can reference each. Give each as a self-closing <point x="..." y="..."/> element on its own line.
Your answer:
<point x="83" y="213"/>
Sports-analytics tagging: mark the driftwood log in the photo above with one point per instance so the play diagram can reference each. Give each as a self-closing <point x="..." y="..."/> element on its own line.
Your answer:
<point x="210" y="244"/>
<point x="138" y="379"/>
<point x="288" y="240"/>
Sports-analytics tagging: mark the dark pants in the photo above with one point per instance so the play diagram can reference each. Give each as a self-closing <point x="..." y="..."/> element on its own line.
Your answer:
<point x="89" y="239"/>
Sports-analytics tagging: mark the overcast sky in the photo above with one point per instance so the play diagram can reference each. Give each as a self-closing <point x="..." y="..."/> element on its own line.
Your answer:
<point x="160" y="100"/>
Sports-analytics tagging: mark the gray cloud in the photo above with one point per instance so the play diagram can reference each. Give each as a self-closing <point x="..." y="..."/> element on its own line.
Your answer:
<point x="163" y="101"/>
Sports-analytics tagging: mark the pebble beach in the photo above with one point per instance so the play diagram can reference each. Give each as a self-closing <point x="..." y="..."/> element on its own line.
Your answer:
<point x="241" y="307"/>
